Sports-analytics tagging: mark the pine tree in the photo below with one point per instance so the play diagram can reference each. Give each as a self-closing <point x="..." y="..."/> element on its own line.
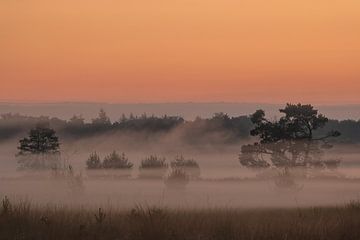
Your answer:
<point x="41" y="140"/>
<point x="41" y="149"/>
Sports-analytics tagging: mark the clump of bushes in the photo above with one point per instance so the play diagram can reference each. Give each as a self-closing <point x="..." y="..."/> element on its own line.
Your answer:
<point x="117" y="161"/>
<point x="153" y="167"/>
<point x="153" y="161"/>
<point x="94" y="161"/>
<point x="111" y="161"/>
<point x="181" y="162"/>
<point x="189" y="166"/>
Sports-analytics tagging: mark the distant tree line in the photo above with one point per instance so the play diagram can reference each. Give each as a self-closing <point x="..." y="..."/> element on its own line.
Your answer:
<point x="220" y="126"/>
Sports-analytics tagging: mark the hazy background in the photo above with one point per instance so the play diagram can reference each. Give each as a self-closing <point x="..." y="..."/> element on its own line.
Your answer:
<point x="189" y="110"/>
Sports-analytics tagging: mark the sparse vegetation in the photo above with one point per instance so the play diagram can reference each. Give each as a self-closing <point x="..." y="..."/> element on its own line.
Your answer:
<point x="6" y="206"/>
<point x="147" y="223"/>
<point x="74" y="181"/>
<point x="100" y="216"/>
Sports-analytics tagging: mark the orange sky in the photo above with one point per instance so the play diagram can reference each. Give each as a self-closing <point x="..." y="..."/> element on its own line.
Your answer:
<point x="180" y="50"/>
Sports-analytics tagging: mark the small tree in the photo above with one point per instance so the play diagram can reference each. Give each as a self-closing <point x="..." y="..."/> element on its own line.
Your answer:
<point x="41" y="140"/>
<point x="94" y="161"/>
<point x="42" y="144"/>
<point x="114" y="160"/>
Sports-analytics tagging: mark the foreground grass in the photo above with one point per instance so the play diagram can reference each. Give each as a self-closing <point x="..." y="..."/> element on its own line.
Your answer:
<point x="22" y="221"/>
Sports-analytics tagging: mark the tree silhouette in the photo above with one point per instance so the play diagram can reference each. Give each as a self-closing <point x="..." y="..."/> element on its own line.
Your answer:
<point x="41" y="140"/>
<point x="289" y="142"/>
<point x="102" y="119"/>
<point x="41" y="144"/>
<point x="117" y="161"/>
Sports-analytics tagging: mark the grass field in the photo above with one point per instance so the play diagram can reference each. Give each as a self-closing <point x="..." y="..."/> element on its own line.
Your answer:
<point x="22" y="220"/>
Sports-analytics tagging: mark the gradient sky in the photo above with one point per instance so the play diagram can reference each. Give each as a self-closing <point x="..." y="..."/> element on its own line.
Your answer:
<point x="180" y="50"/>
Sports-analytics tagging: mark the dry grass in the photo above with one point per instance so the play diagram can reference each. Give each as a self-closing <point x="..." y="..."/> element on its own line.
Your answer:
<point x="23" y="221"/>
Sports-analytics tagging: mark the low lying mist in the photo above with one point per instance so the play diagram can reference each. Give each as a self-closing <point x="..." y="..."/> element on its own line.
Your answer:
<point x="222" y="181"/>
<point x="171" y="162"/>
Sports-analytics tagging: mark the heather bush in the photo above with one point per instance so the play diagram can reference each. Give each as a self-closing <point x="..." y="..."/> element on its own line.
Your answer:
<point x="117" y="161"/>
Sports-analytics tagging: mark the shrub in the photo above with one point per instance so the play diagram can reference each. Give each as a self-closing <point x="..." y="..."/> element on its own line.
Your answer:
<point x="93" y="161"/>
<point x="153" y="161"/>
<point x="153" y="167"/>
<point x="181" y="162"/>
<point x="189" y="166"/>
<point x="114" y="160"/>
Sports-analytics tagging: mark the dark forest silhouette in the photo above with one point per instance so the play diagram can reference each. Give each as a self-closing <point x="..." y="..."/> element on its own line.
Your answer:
<point x="231" y="129"/>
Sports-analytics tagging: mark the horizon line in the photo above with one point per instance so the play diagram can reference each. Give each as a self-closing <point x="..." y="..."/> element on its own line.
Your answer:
<point x="24" y="102"/>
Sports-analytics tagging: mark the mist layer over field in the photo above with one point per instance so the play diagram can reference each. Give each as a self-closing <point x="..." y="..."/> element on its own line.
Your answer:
<point x="222" y="182"/>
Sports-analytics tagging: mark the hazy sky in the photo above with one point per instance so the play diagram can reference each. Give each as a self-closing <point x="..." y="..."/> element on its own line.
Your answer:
<point x="180" y="50"/>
